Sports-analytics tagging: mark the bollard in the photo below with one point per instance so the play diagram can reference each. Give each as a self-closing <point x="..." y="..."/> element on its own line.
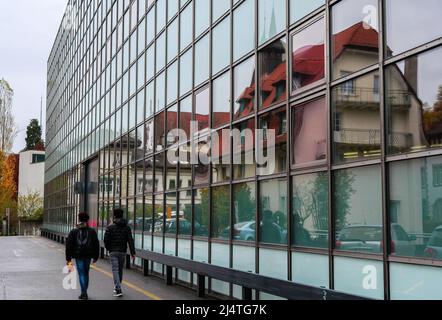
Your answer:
<point x="201" y="286"/>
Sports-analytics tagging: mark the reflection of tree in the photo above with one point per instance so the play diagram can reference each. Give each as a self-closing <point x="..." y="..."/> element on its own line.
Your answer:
<point x="220" y="206"/>
<point x="246" y="204"/>
<point x="343" y="191"/>
<point x="433" y="117"/>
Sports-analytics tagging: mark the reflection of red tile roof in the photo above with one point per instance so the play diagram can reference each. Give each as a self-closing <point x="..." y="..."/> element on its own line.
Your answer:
<point x="358" y="35"/>
<point x="308" y="61"/>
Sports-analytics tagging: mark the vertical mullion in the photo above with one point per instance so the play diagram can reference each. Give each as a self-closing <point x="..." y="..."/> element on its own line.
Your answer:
<point x="384" y="139"/>
<point x="329" y="63"/>
<point x="289" y="149"/>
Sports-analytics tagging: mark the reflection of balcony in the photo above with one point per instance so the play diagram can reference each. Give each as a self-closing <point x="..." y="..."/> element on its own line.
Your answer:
<point x="400" y="140"/>
<point x="357" y="98"/>
<point x="371" y="137"/>
<point x="358" y="137"/>
<point x="399" y="99"/>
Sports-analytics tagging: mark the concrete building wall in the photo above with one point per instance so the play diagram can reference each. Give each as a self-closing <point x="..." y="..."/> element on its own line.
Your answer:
<point x="31" y="175"/>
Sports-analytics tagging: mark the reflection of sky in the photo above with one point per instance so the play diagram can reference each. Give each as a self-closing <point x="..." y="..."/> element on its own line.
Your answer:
<point x="244" y="76"/>
<point x="301" y="8"/>
<point x="313" y="35"/>
<point x="409" y="26"/>
<point x="349" y="12"/>
<point x="429" y="75"/>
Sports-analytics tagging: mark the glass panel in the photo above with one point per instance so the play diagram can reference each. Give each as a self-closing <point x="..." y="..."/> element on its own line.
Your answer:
<point x="161" y="14"/>
<point x="202" y="110"/>
<point x="202" y="58"/>
<point x="356" y="119"/>
<point x="186" y="115"/>
<point x="301" y="8"/>
<point x="149" y="136"/>
<point x="160" y="92"/>
<point x="357" y="204"/>
<point x="219" y="7"/>
<point x="268" y="259"/>
<point x="359" y="277"/>
<point x="221" y="45"/>
<point x="186" y="68"/>
<point x="414" y="103"/>
<point x="172" y="123"/>
<point x="171" y="213"/>
<point x="186" y="27"/>
<point x="310" y="210"/>
<point x="244" y="149"/>
<point x="309" y="132"/>
<point x="272" y="148"/>
<point x="159" y="173"/>
<point x="202" y="169"/>
<point x="415" y="208"/>
<point x="244" y="89"/>
<point x="271" y="18"/>
<point x="185" y="217"/>
<point x="308" y="59"/>
<point x="201" y="251"/>
<point x="220" y="212"/>
<point x="244" y="212"/>
<point x="172" y="40"/>
<point x="158" y="217"/>
<point x="171" y="173"/>
<point x="221" y="100"/>
<point x="419" y="28"/>
<point x="172" y="82"/>
<point x="161" y="51"/>
<point x="220" y="156"/>
<point x="201" y="212"/>
<point x="272" y="73"/>
<point x="413" y="282"/>
<point x="243" y="29"/>
<point x="159" y="132"/>
<point x="273" y="211"/>
<point x="202" y="16"/>
<point x="244" y="258"/>
<point x="355" y="38"/>
<point x="310" y="269"/>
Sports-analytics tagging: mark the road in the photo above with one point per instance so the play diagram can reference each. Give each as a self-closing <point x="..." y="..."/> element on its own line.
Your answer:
<point x="31" y="268"/>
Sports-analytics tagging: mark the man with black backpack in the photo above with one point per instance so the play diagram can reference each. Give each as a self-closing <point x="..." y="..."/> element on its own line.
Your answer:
<point x="116" y="239"/>
<point x="82" y="245"/>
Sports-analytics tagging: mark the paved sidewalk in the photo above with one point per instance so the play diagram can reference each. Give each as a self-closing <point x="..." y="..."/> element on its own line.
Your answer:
<point x="31" y="268"/>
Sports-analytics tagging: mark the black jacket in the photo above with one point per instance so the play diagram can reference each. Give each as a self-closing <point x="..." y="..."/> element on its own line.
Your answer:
<point x="118" y="235"/>
<point x="91" y="247"/>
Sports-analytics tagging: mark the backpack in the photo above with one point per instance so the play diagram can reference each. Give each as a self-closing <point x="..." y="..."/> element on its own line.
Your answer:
<point x="83" y="242"/>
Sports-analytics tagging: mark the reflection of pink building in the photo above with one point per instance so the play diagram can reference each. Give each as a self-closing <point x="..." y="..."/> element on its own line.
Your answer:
<point x="311" y="132"/>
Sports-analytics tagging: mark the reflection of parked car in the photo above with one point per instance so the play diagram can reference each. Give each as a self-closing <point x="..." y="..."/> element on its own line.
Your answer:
<point x="434" y="246"/>
<point x="369" y="239"/>
<point x="241" y="231"/>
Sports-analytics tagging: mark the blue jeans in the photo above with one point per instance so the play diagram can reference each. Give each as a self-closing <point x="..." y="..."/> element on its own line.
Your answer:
<point x="83" y="267"/>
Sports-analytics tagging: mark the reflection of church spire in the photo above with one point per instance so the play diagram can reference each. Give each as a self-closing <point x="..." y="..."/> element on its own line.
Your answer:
<point x="263" y="35"/>
<point x="272" y="30"/>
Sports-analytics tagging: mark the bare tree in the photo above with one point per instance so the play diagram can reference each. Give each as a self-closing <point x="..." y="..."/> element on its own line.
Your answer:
<point x="7" y="124"/>
<point x="30" y="206"/>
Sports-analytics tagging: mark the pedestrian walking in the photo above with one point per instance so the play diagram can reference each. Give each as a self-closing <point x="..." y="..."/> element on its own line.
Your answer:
<point x="82" y="245"/>
<point x="116" y="240"/>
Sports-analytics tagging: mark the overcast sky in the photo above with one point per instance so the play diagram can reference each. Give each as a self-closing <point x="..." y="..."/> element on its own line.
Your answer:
<point x="28" y="29"/>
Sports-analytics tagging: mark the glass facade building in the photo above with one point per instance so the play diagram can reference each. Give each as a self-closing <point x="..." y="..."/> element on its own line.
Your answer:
<point x="351" y="88"/>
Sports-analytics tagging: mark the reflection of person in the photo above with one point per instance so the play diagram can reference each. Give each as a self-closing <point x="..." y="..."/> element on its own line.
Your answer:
<point x="270" y="231"/>
<point x="302" y="236"/>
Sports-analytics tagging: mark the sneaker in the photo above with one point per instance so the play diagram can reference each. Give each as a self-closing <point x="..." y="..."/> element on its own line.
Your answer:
<point x="118" y="293"/>
<point x="83" y="296"/>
